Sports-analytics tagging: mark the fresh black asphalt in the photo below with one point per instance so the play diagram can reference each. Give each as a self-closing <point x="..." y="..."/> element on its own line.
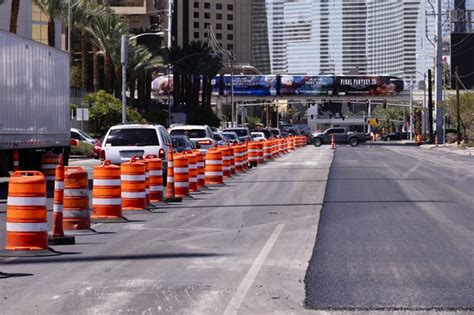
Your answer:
<point x="396" y="232"/>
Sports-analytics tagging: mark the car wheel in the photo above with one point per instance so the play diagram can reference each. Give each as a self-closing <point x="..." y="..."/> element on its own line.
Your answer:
<point x="354" y="142"/>
<point x="317" y="142"/>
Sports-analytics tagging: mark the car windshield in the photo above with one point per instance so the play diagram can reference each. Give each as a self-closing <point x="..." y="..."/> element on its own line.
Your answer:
<point x="179" y="142"/>
<point x="239" y="132"/>
<point x="133" y="137"/>
<point x="274" y="132"/>
<point x="85" y="135"/>
<point x="230" y="136"/>
<point x="191" y="133"/>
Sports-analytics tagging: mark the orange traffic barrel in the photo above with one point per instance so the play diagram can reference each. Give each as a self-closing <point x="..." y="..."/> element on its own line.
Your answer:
<point x="226" y="168"/>
<point x="253" y="150"/>
<point x="232" y="159"/>
<point x="155" y="171"/>
<point x="26" y="218"/>
<point x="170" y="174"/>
<point x="260" y="158"/>
<point x="76" y="213"/>
<point x="275" y="148"/>
<point x="49" y="161"/>
<point x="239" y="158"/>
<point x="106" y="193"/>
<point x="192" y="170"/>
<point x="133" y="183"/>
<point x="201" y="182"/>
<point x="214" y="167"/>
<point x="181" y="175"/>
<point x="267" y="150"/>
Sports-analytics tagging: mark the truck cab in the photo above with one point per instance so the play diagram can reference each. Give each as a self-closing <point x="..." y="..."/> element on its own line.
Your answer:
<point x="340" y="134"/>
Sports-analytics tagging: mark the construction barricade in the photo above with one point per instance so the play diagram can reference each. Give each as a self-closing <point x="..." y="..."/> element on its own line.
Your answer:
<point x="232" y="159"/>
<point x="49" y="161"/>
<point x="133" y="183"/>
<point x="201" y="181"/>
<point x="181" y="176"/>
<point x="253" y="152"/>
<point x="260" y="158"/>
<point x="214" y="168"/>
<point x="155" y="172"/>
<point x="239" y="158"/>
<point x="192" y="171"/>
<point x="226" y="163"/>
<point x="267" y="150"/>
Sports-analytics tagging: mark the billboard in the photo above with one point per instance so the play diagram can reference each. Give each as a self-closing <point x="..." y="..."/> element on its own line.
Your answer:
<point x="246" y="85"/>
<point x="306" y="85"/>
<point x="367" y="85"/>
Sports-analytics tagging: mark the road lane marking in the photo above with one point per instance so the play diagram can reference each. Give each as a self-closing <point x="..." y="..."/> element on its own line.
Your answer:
<point x="249" y="278"/>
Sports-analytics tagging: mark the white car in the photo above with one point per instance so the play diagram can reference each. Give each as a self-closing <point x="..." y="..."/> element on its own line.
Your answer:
<point x="122" y="142"/>
<point x="201" y="135"/>
<point x="257" y="136"/>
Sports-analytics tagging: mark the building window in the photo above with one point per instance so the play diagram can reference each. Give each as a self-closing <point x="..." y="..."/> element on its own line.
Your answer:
<point x="219" y="16"/>
<point x="206" y="25"/>
<point x="218" y="26"/>
<point x="230" y="37"/>
<point x="230" y="17"/>
<point x="230" y="47"/>
<point x="207" y="5"/>
<point x="39" y="27"/>
<point x="196" y="34"/>
<point x="218" y="35"/>
<point x="207" y="15"/>
<point x="196" y="15"/>
<point x="196" y="4"/>
<point x="230" y="7"/>
<point x="230" y="27"/>
<point x="196" y="24"/>
<point x="218" y="6"/>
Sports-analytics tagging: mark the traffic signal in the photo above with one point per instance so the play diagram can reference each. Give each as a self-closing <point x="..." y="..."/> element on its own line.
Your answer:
<point x="384" y="105"/>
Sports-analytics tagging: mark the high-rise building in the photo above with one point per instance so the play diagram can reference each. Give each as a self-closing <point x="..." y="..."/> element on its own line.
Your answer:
<point x="230" y="20"/>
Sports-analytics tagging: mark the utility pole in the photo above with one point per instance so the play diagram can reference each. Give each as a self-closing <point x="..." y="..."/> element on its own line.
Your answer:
<point x="458" y="109"/>
<point x="233" y="109"/>
<point x="124" y="62"/>
<point x="411" y="110"/>
<point x="430" y="108"/>
<point x="439" y="70"/>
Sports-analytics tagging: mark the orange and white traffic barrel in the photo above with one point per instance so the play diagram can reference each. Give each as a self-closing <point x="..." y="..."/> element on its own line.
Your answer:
<point x="214" y="173"/>
<point x="106" y="193"/>
<point x="170" y="174"/>
<point x="267" y="151"/>
<point x="133" y="183"/>
<point x="155" y="170"/>
<point x="77" y="216"/>
<point x="201" y="182"/>
<point x="260" y="158"/>
<point x="26" y="218"/>
<point x="181" y="175"/>
<point x="253" y="150"/>
<point x="232" y="159"/>
<point x="192" y="170"/>
<point x="49" y="161"/>
<point x="239" y="158"/>
<point x="226" y="169"/>
<point x="275" y="148"/>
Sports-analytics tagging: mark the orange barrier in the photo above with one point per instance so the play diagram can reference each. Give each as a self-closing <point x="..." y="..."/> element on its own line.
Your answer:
<point x="181" y="175"/>
<point x="253" y="151"/>
<point x="16" y="160"/>
<point x="49" y="161"/>
<point x="232" y="159"/>
<point x="201" y="182"/>
<point x="333" y="143"/>
<point x="214" y="168"/>
<point x="57" y="236"/>
<point x="133" y="185"/>
<point x="239" y="158"/>
<point x="192" y="167"/>
<point x="267" y="150"/>
<point x="155" y="169"/>
<point x="76" y="212"/>
<point x="106" y="193"/>
<point x="226" y="168"/>
<point x="291" y="144"/>
<point x="275" y="148"/>
<point x="260" y="158"/>
<point x="246" y="155"/>
<point x="26" y="219"/>
<point x="170" y="174"/>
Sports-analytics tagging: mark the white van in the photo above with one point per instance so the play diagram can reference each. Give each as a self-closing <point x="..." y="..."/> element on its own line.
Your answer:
<point x="122" y="142"/>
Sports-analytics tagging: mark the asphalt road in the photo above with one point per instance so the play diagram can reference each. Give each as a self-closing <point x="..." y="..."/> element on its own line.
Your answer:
<point x="396" y="232"/>
<point x="241" y="248"/>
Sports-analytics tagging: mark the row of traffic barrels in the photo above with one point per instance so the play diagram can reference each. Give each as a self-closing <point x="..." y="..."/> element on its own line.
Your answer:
<point x="133" y="185"/>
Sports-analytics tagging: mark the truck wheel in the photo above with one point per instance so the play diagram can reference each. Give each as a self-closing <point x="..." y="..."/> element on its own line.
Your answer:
<point x="317" y="142"/>
<point x="354" y="142"/>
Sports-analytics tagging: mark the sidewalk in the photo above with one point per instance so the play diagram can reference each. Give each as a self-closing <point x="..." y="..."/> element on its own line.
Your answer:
<point x="451" y="147"/>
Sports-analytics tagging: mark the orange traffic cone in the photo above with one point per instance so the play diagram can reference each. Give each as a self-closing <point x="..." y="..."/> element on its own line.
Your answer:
<point x="57" y="236"/>
<point x="333" y="143"/>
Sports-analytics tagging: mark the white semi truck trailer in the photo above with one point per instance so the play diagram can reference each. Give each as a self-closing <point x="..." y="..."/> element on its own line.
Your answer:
<point x="34" y="102"/>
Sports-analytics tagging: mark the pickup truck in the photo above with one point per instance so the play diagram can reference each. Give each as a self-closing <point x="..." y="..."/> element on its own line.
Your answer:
<point x="341" y="135"/>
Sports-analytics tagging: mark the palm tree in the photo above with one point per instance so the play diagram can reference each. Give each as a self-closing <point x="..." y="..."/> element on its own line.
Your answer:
<point x="53" y="9"/>
<point x="14" y="15"/>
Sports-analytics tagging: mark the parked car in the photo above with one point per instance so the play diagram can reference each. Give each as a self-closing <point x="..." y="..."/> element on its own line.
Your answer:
<point x="182" y="143"/>
<point x="122" y="142"/>
<point x="399" y="135"/>
<point x="82" y="136"/>
<point x="257" y="136"/>
<point x="265" y="131"/>
<point x="341" y="135"/>
<point x="242" y="132"/>
<point x="199" y="134"/>
<point x="275" y="132"/>
<point x="220" y="138"/>
<point x="231" y="136"/>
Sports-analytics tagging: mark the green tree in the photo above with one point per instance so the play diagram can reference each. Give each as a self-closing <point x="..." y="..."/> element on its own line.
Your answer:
<point x="387" y="117"/>
<point x="253" y="122"/>
<point x="53" y="9"/>
<point x="466" y="102"/>
<point x="106" y="111"/>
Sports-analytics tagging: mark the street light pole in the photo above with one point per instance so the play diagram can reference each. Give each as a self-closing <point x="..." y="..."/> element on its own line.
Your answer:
<point x="169" y="96"/>
<point x="411" y="109"/>
<point x="69" y="25"/>
<point x="233" y="109"/>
